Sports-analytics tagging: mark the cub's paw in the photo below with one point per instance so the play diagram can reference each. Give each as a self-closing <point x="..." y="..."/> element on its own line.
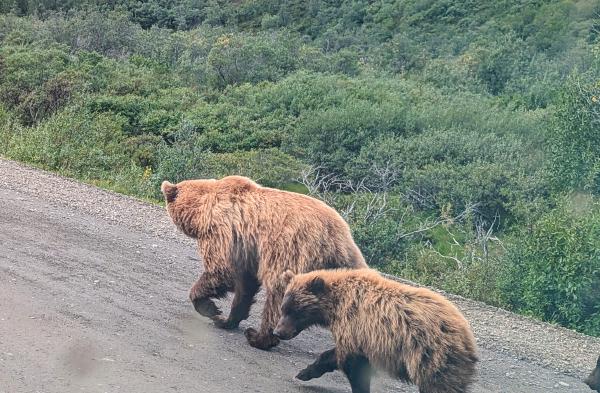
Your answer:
<point x="224" y="323"/>
<point x="251" y="335"/>
<point x="206" y="307"/>
<point x="305" y="375"/>
<point x="259" y="341"/>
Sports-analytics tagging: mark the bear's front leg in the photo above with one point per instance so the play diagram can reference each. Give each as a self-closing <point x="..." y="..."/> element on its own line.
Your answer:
<point x="264" y="338"/>
<point x="209" y="285"/>
<point x="246" y="287"/>
<point x="325" y="363"/>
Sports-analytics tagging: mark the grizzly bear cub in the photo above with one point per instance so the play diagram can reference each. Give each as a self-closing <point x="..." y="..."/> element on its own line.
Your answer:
<point x="593" y="381"/>
<point x="248" y="236"/>
<point x="412" y="333"/>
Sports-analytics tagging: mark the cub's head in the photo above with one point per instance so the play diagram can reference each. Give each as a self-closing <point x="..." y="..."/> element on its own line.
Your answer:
<point x="305" y="304"/>
<point x="593" y="381"/>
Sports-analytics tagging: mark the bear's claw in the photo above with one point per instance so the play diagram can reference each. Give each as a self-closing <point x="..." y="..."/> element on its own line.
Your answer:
<point x="224" y="323"/>
<point x="206" y="307"/>
<point x="261" y="342"/>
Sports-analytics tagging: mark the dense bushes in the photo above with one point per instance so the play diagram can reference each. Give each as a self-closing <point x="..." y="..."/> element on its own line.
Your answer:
<point x="239" y="58"/>
<point x="574" y="138"/>
<point x="554" y="268"/>
<point x="71" y="142"/>
<point x="188" y="157"/>
<point x="459" y="140"/>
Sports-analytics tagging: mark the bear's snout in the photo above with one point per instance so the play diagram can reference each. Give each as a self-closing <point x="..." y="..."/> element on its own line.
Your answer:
<point x="285" y="329"/>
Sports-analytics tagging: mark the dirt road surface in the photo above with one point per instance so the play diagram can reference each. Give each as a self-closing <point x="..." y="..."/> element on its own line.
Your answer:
<point x="93" y="298"/>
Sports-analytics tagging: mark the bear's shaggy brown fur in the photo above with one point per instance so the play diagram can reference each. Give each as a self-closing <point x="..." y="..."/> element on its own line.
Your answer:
<point x="412" y="333"/>
<point x="593" y="381"/>
<point x="248" y="236"/>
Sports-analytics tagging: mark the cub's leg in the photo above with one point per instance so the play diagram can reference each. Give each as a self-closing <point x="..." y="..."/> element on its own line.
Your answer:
<point x="245" y="288"/>
<point x="358" y="371"/>
<point x="325" y="363"/>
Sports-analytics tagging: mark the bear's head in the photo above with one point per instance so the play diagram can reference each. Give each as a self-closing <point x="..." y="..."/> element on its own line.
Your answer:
<point x="305" y="304"/>
<point x="185" y="201"/>
<point x="593" y="381"/>
<point x="191" y="203"/>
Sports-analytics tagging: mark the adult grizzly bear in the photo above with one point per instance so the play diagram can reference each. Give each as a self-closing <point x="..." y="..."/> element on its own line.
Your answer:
<point x="412" y="333"/>
<point x="248" y="236"/>
<point x="593" y="381"/>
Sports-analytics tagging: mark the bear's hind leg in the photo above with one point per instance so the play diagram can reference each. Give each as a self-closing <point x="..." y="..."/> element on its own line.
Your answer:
<point x="265" y="339"/>
<point x="326" y="363"/>
<point x="358" y="371"/>
<point x="209" y="285"/>
<point x="246" y="287"/>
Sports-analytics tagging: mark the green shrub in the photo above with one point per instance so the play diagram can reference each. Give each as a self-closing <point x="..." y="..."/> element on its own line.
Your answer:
<point x="553" y="270"/>
<point x="188" y="158"/>
<point x="328" y="137"/>
<point x="73" y="143"/>
<point x="573" y="142"/>
<point x="237" y="58"/>
<point x="130" y="107"/>
<point x="33" y="80"/>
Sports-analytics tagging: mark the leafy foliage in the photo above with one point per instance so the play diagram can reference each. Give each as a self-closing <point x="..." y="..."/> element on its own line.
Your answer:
<point x="574" y="140"/>
<point x="554" y="269"/>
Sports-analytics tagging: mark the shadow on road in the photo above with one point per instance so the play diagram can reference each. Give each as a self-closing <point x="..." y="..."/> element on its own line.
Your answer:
<point x="320" y="389"/>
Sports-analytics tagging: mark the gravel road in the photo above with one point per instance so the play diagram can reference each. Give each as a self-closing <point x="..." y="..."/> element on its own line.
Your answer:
<point x="93" y="298"/>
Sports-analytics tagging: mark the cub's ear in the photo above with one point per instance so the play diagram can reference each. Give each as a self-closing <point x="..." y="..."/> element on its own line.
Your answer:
<point x="169" y="190"/>
<point x="287" y="277"/>
<point x="318" y="286"/>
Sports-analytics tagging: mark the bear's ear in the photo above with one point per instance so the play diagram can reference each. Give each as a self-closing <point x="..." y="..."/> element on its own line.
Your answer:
<point x="169" y="190"/>
<point x="287" y="277"/>
<point x="317" y="286"/>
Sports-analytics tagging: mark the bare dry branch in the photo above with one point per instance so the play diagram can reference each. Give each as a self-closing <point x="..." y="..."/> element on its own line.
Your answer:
<point x="459" y="263"/>
<point x="440" y="221"/>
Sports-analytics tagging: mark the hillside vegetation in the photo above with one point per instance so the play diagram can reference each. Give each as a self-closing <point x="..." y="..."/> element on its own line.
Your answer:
<point x="461" y="140"/>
